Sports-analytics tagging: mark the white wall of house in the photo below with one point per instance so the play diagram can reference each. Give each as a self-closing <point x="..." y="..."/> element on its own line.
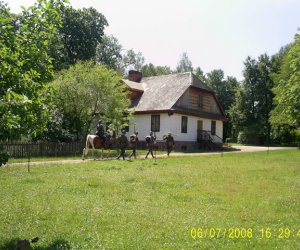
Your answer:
<point x="142" y="124"/>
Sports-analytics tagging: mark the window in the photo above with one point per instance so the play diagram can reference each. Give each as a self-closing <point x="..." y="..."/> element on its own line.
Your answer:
<point x="155" y="123"/>
<point x="184" y="122"/>
<point x="200" y="101"/>
<point x="213" y="127"/>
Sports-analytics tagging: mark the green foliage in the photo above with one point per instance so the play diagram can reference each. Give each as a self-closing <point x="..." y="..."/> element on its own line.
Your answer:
<point x="4" y="156"/>
<point x="184" y="64"/>
<point x="151" y="70"/>
<point x="79" y="35"/>
<point x="111" y="53"/>
<point x="87" y="91"/>
<point x="200" y="74"/>
<point x="242" y="138"/>
<point x="253" y="101"/>
<point x="224" y="88"/>
<point x="225" y="91"/>
<point x="133" y="60"/>
<point x="25" y="67"/>
<point x="287" y="88"/>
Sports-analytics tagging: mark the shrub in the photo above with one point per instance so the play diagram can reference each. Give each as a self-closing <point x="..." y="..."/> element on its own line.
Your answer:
<point x="4" y="156"/>
<point x="242" y="138"/>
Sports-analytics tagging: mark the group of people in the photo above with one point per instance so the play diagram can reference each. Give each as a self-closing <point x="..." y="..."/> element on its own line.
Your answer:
<point x="133" y="141"/>
<point x="150" y="141"/>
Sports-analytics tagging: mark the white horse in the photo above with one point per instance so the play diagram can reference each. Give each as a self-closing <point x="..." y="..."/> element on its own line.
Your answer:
<point x="96" y="142"/>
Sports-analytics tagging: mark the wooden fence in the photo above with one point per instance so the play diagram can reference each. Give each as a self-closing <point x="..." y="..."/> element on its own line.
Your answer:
<point x="22" y="149"/>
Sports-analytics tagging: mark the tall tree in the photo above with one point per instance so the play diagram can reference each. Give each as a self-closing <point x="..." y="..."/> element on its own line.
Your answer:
<point x="133" y="60"/>
<point x="109" y="52"/>
<point x="225" y="90"/>
<point x="81" y="32"/>
<point x="257" y="100"/>
<point x="200" y="74"/>
<point x="87" y="91"/>
<point x="26" y="66"/>
<point x="287" y="88"/>
<point x="184" y="64"/>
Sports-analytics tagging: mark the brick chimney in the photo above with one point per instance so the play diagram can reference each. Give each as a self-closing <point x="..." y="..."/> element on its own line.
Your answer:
<point x="135" y="76"/>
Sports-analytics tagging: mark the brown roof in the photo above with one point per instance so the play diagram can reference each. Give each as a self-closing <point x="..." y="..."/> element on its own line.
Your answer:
<point x="134" y="85"/>
<point x="162" y="92"/>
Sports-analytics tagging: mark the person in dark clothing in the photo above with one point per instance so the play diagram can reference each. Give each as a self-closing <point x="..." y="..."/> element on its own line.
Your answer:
<point x="100" y="131"/>
<point x="123" y="143"/>
<point x="169" y="142"/>
<point x="133" y="140"/>
<point x="150" y="140"/>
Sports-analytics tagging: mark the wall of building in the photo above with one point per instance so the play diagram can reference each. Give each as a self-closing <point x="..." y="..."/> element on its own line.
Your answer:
<point x="142" y="124"/>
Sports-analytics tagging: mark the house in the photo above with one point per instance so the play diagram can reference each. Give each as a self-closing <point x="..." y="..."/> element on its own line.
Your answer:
<point x="176" y="103"/>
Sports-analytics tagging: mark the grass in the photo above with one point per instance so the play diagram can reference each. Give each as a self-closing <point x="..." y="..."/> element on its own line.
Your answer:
<point x="142" y="205"/>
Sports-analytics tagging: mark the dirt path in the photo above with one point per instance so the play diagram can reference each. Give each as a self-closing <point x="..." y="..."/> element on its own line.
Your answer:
<point x="239" y="149"/>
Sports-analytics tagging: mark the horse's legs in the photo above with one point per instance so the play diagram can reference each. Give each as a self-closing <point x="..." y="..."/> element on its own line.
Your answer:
<point x="86" y="149"/>
<point x="83" y="154"/>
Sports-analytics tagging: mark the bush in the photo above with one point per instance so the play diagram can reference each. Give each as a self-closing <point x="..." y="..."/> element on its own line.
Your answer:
<point x="242" y="138"/>
<point x="4" y="156"/>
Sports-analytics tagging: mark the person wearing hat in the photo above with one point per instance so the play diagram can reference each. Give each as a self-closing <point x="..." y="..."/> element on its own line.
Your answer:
<point x="169" y="142"/>
<point x="133" y="140"/>
<point x="123" y="143"/>
<point x="150" y="139"/>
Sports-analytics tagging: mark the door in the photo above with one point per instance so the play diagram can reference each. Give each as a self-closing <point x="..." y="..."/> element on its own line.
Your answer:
<point x="199" y="129"/>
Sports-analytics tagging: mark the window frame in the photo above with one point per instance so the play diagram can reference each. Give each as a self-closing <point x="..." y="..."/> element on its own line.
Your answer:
<point x="184" y="124"/>
<point x="213" y="127"/>
<point x="155" y="123"/>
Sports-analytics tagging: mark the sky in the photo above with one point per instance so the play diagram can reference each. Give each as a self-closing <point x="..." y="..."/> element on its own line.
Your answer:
<point x="216" y="34"/>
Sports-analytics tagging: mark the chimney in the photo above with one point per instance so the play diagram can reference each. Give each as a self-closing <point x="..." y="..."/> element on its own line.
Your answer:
<point x="135" y="76"/>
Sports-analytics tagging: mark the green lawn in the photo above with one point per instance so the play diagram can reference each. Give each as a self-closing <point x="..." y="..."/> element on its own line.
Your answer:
<point x="142" y="205"/>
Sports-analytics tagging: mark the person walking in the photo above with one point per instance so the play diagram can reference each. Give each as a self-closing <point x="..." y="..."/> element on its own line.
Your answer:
<point x="150" y="140"/>
<point x="169" y="142"/>
<point x="133" y="140"/>
<point x="123" y="143"/>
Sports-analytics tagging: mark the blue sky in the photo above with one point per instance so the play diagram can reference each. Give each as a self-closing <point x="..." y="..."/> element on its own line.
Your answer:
<point x="216" y="34"/>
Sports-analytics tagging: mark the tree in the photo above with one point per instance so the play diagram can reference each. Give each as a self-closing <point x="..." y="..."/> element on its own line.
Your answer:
<point x="257" y="98"/>
<point x="88" y="91"/>
<point x="287" y="88"/>
<point x="200" y="74"/>
<point x="81" y="32"/>
<point x="225" y="90"/>
<point x="151" y="70"/>
<point x="26" y="67"/>
<point x="132" y="60"/>
<point x="109" y="52"/>
<point x="184" y="64"/>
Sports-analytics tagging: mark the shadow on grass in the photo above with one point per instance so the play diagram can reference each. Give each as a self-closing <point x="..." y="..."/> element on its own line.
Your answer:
<point x="59" y="244"/>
